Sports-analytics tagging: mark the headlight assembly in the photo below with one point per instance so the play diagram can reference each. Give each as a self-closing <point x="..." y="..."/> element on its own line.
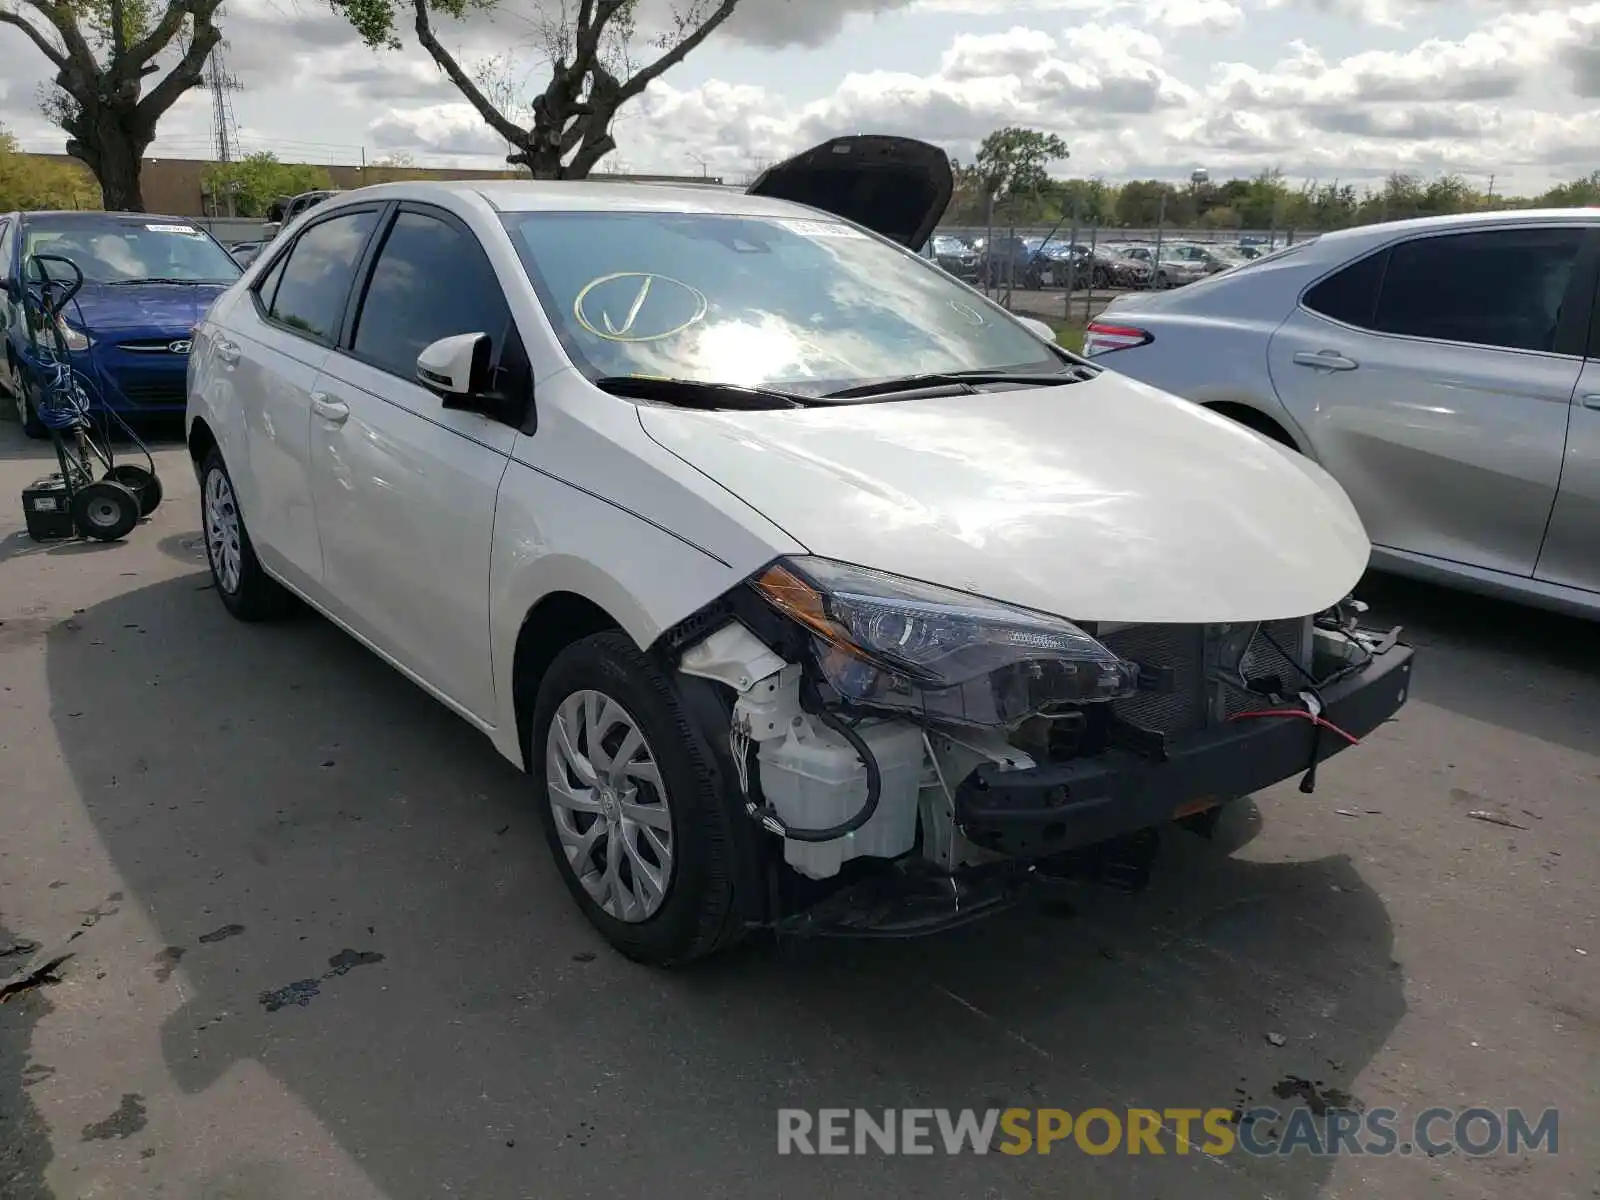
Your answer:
<point x="71" y="337"/>
<point x="892" y="643"/>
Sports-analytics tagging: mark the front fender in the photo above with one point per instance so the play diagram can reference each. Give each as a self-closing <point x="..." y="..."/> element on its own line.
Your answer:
<point x="551" y="536"/>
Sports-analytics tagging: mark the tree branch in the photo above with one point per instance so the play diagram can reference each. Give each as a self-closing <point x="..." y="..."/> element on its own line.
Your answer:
<point x="35" y="35"/>
<point x="157" y="40"/>
<point x="507" y="129"/>
<point x="184" y="75"/>
<point x="675" y="54"/>
<point x="80" y="58"/>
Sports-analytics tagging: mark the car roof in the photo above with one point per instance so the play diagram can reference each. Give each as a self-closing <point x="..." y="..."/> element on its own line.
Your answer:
<point x="543" y="195"/>
<point x="1385" y="230"/>
<point x="81" y="216"/>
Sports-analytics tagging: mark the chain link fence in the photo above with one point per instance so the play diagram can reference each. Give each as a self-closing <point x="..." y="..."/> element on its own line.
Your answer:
<point x="1069" y="270"/>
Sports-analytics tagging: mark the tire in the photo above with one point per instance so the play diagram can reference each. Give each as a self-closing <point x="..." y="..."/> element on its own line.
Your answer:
<point x="694" y="911"/>
<point x="105" y="510"/>
<point x="27" y="414"/>
<point x="142" y="482"/>
<point x="247" y="591"/>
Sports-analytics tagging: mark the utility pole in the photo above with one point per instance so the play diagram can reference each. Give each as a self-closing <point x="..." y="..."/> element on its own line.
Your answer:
<point x="1489" y="195"/>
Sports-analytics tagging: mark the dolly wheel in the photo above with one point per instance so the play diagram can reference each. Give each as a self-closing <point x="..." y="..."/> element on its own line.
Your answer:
<point x="105" y="510"/>
<point x="142" y="483"/>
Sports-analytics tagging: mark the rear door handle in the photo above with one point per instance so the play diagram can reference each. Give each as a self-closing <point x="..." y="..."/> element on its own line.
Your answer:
<point x="332" y="411"/>
<point x="1325" y="360"/>
<point x="227" y="351"/>
<point x="1592" y="400"/>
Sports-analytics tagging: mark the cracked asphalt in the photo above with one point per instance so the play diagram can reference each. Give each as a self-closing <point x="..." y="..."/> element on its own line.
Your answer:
<point x="317" y="948"/>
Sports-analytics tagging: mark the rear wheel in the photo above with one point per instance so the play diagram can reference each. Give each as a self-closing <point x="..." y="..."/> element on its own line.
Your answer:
<point x="247" y="591"/>
<point x="630" y="807"/>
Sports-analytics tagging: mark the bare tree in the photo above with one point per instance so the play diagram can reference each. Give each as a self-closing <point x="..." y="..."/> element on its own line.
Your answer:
<point x="103" y="52"/>
<point x="589" y="45"/>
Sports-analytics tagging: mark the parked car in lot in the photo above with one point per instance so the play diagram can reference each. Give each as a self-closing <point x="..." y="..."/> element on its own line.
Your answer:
<point x="147" y="280"/>
<point x="813" y="590"/>
<point x="1443" y="370"/>
<point x="956" y="255"/>
<point x="244" y="253"/>
<point x="1170" y="271"/>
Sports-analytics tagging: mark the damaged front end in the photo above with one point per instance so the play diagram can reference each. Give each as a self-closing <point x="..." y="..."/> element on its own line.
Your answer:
<point x="915" y="757"/>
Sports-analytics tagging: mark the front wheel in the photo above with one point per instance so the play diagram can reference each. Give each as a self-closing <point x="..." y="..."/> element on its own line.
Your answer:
<point x="630" y="805"/>
<point x="247" y="591"/>
<point x="27" y="414"/>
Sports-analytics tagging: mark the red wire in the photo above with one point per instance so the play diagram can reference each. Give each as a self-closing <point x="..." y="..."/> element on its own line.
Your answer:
<point x="1298" y="712"/>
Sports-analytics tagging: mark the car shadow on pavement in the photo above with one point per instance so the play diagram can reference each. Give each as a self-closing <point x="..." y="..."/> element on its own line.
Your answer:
<point x="354" y="891"/>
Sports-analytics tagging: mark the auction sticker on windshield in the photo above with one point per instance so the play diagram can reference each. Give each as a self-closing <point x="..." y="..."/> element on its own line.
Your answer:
<point x="821" y="229"/>
<point x="189" y="229"/>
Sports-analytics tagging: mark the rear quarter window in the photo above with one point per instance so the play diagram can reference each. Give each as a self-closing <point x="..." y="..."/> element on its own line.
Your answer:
<point x="1350" y="294"/>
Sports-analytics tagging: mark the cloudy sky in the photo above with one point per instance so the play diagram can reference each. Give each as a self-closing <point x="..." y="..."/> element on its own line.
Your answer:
<point x="1325" y="89"/>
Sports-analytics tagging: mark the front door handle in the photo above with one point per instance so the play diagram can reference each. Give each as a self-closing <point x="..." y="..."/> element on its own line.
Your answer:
<point x="227" y="351"/>
<point x="332" y="411"/>
<point x="1592" y="401"/>
<point x="1325" y="360"/>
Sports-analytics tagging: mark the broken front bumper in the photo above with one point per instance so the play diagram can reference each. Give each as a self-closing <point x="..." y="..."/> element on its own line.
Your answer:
<point x="1047" y="810"/>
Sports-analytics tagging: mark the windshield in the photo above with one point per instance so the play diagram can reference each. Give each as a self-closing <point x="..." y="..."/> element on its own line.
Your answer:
<point x="805" y="305"/>
<point x="950" y="245"/>
<point x="123" y="251"/>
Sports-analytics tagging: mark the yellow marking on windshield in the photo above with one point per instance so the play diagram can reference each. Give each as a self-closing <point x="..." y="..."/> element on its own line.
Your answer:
<point x="605" y="327"/>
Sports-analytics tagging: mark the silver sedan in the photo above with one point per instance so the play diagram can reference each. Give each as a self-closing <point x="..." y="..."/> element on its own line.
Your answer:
<point x="1446" y="371"/>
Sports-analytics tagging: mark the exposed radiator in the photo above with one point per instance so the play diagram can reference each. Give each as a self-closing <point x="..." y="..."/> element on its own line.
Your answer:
<point x="1191" y="658"/>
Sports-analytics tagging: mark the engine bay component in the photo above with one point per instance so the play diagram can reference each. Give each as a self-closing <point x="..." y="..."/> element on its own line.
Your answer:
<point x="814" y="778"/>
<point x="899" y="645"/>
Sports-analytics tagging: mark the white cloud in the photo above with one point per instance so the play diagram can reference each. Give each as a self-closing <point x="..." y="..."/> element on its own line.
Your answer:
<point x="1138" y="87"/>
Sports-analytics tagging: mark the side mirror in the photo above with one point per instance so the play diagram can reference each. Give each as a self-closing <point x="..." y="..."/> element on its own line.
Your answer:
<point x="457" y="368"/>
<point x="1039" y="328"/>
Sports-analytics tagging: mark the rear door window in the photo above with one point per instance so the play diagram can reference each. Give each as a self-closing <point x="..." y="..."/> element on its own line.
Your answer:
<point x="317" y="274"/>
<point x="1501" y="288"/>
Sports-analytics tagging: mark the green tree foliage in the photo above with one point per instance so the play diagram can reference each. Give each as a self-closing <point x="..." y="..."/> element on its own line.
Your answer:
<point x="256" y="181"/>
<point x="565" y="128"/>
<point x="104" y="53"/>
<point x="32" y="181"/>
<point x="1015" y="162"/>
<point x="1263" y="202"/>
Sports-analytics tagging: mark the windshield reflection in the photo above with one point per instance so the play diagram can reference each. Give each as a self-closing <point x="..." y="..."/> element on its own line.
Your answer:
<point x="805" y="305"/>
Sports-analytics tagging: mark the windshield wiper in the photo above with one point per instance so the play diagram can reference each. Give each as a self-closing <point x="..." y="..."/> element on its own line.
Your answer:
<point x="958" y="382"/>
<point x="159" y="279"/>
<point x="695" y="393"/>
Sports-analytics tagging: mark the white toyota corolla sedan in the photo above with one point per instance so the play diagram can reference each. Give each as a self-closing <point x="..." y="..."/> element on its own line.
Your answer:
<point x="813" y="591"/>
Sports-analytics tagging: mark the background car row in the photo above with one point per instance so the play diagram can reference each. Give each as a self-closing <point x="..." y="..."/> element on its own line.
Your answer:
<point x="1034" y="263"/>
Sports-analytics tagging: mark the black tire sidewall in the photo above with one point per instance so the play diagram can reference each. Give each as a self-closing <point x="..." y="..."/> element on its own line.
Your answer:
<point x="32" y="425"/>
<point x="126" y="500"/>
<point x="144" y="483"/>
<point x="699" y="893"/>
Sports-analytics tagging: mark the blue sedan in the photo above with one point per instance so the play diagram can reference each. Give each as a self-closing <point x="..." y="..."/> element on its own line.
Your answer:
<point x="147" y="282"/>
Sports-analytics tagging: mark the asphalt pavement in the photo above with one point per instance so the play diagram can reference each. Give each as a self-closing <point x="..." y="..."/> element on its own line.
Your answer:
<point x="318" y="949"/>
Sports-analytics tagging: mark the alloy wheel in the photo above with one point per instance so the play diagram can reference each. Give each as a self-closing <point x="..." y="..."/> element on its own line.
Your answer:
<point x="222" y="531"/>
<point x="609" y="804"/>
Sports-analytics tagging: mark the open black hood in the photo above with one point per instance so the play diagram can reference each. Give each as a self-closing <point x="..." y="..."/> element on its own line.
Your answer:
<point x="898" y="187"/>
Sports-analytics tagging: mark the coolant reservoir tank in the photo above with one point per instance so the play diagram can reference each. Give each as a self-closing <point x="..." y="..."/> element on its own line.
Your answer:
<point x="813" y="778"/>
